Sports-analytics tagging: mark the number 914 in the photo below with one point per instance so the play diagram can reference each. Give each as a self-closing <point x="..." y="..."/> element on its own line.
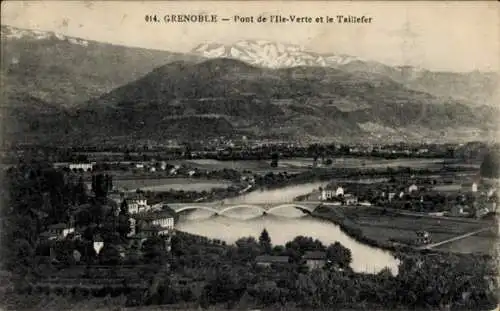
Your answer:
<point x="152" y="18"/>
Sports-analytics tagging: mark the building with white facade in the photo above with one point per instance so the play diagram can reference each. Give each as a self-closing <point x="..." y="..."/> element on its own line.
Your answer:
<point x="98" y="244"/>
<point x="136" y="204"/>
<point x="159" y="219"/>
<point x="84" y="166"/>
<point x="474" y="187"/>
<point x="412" y="188"/>
<point x="60" y="230"/>
<point x="327" y="194"/>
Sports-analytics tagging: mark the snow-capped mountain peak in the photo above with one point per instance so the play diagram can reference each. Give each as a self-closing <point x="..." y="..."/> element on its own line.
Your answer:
<point x="13" y="33"/>
<point x="270" y="54"/>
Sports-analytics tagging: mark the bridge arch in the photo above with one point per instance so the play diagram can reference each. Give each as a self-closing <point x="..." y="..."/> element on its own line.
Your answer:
<point x="303" y="208"/>
<point x="229" y="208"/>
<point x="194" y="207"/>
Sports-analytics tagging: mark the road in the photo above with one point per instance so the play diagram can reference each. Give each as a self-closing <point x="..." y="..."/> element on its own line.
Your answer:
<point x="416" y="214"/>
<point x="460" y="237"/>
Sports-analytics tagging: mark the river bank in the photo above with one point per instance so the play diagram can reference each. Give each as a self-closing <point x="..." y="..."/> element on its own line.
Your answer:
<point x="355" y="231"/>
<point x="396" y="232"/>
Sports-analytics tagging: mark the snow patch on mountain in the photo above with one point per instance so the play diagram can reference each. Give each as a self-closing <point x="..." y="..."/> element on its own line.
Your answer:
<point x="271" y="54"/>
<point x="13" y="33"/>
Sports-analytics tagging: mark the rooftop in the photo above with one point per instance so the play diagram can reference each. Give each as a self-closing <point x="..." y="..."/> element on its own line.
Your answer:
<point x="315" y="255"/>
<point x="136" y="196"/>
<point x="153" y="228"/>
<point x="152" y="215"/>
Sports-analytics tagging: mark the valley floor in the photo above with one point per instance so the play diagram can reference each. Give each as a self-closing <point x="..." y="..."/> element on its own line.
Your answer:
<point x="390" y="229"/>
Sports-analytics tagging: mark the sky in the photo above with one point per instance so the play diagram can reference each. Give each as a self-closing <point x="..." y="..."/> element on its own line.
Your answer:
<point x="440" y="36"/>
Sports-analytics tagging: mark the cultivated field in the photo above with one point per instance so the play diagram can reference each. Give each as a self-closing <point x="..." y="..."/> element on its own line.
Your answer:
<point x="387" y="227"/>
<point x="301" y="164"/>
<point x="166" y="184"/>
<point x="481" y="243"/>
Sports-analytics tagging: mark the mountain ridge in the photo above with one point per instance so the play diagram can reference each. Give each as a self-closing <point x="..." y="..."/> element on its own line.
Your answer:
<point x="298" y="102"/>
<point x="69" y="90"/>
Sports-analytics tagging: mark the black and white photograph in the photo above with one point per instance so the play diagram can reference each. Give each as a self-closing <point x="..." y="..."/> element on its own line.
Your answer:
<point x="250" y="155"/>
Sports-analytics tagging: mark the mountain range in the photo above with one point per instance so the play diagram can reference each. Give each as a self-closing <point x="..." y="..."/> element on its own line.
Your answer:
<point x="480" y="88"/>
<point x="62" y="89"/>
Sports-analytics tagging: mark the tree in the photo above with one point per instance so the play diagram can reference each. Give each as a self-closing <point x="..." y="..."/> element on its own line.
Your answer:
<point x="490" y="167"/>
<point x="223" y="288"/>
<point x="302" y="244"/>
<point x="274" y="159"/>
<point x="265" y="242"/>
<point x="337" y="254"/>
<point x="154" y="249"/>
<point x="124" y="220"/>
<point x="101" y="185"/>
<point x="80" y="192"/>
<point x="109" y="255"/>
<point x="247" y="249"/>
<point x="187" y="151"/>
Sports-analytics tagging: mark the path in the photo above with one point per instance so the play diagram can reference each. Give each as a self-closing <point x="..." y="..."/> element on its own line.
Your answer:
<point x="457" y="238"/>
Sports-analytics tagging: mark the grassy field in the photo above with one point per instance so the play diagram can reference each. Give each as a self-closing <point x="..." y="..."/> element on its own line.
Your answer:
<point x="165" y="184"/>
<point x="386" y="227"/>
<point x="302" y="164"/>
<point x="474" y="244"/>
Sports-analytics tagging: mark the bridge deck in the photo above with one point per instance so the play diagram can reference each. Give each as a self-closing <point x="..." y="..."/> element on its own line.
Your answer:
<point x="222" y="207"/>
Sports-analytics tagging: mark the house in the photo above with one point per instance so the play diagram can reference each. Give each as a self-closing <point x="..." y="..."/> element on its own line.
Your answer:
<point x="152" y="169"/>
<point x="154" y="230"/>
<point x="61" y="230"/>
<point x="163" y="165"/>
<point x="116" y="196"/>
<point x="163" y="219"/>
<point x="77" y="255"/>
<point x="121" y="250"/>
<point x="327" y="195"/>
<point x="248" y="178"/>
<point x="137" y="203"/>
<point x="459" y="210"/>
<point x="98" y="244"/>
<point x="422" y="237"/>
<point x="83" y="166"/>
<point x="191" y="173"/>
<point x="315" y="259"/>
<point x="481" y="212"/>
<point x="133" y="226"/>
<point x="268" y="260"/>
<point x="350" y="199"/>
<point x="412" y="188"/>
<point x="470" y="186"/>
<point x="139" y="165"/>
<point x="492" y="193"/>
<point x="391" y="196"/>
<point x="47" y="235"/>
<point x="474" y="187"/>
<point x="136" y="240"/>
<point x="339" y="192"/>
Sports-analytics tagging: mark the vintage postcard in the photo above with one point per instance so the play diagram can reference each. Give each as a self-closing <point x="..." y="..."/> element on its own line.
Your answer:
<point x="249" y="155"/>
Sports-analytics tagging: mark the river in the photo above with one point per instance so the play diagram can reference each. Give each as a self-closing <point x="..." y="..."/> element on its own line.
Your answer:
<point x="283" y="225"/>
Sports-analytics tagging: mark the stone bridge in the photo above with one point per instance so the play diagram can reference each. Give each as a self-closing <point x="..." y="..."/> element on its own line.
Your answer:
<point x="219" y="208"/>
